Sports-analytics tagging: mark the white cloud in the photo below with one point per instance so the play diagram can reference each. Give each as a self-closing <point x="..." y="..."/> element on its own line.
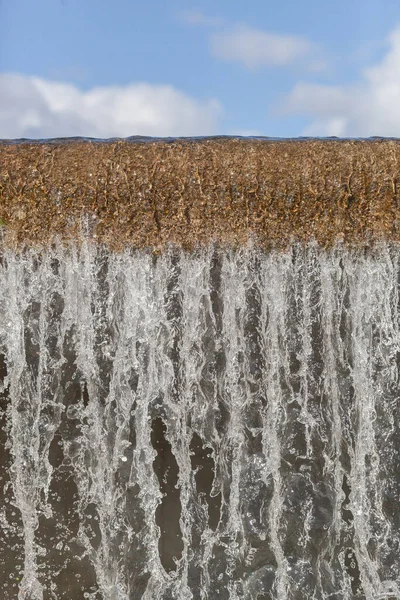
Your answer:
<point x="255" y="49"/>
<point x="371" y="106"/>
<point x="32" y="107"/>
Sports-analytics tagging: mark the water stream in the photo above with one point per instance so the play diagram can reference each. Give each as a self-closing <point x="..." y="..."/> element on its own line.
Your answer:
<point x="214" y="425"/>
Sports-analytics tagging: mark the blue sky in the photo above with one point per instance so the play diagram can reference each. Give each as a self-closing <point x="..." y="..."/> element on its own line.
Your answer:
<point x="116" y="68"/>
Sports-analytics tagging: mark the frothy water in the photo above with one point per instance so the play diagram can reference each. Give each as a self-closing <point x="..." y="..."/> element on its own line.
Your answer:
<point x="221" y="424"/>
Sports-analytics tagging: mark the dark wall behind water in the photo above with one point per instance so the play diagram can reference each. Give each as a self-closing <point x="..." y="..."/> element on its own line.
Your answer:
<point x="211" y="425"/>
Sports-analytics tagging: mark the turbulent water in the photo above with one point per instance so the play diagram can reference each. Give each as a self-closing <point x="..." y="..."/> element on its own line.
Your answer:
<point x="214" y="425"/>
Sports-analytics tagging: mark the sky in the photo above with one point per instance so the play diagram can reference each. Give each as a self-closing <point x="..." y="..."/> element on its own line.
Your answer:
<point x="116" y="68"/>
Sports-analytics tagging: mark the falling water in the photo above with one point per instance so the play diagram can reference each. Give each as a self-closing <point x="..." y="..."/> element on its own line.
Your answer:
<point x="206" y="425"/>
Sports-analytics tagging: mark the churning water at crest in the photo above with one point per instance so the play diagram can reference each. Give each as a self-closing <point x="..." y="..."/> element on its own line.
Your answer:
<point x="198" y="426"/>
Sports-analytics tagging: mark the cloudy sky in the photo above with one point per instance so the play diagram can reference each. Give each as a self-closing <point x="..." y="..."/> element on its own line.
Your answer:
<point x="105" y="68"/>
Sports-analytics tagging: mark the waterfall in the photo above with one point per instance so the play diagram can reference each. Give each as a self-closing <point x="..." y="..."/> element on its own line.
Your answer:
<point x="216" y="424"/>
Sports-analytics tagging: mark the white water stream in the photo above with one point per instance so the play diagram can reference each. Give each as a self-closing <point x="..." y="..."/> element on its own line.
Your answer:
<point x="215" y="425"/>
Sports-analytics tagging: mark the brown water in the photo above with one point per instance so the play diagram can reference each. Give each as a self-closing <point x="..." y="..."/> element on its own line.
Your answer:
<point x="200" y="426"/>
